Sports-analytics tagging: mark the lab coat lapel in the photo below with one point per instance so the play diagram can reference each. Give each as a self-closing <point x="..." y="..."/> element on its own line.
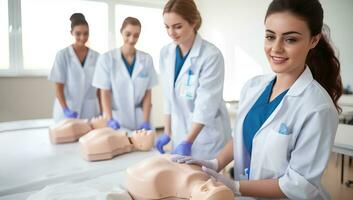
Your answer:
<point x="80" y="74"/>
<point x="138" y="66"/>
<point x="194" y="52"/>
<point x="120" y="66"/>
<point x="297" y="88"/>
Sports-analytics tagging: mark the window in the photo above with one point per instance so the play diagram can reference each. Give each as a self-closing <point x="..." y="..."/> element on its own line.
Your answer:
<point x="46" y="29"/>
<point x="4" y="35"/>
<point x="153" y="34"/>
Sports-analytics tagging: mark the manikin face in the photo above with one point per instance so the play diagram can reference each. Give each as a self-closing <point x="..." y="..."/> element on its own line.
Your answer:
<point x="131" y="34"/>
<point x="287" y="42"/>
<point x="143" y="140"/>
<point x="80" y="33"/>
<point x="180" y="30"/>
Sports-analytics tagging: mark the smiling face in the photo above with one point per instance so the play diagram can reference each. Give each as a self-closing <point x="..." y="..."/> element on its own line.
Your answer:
<point x="287" y="42"/>
<point x="180" y="30"/>
<point x="80" y="33"/>
<point x="131" y="34"/>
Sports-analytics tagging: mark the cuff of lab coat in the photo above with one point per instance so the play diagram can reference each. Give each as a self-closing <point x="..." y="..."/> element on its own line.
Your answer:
<point x="101" y="86"/>
<point x="295" y="186"/>
<point x="202" y="119"/>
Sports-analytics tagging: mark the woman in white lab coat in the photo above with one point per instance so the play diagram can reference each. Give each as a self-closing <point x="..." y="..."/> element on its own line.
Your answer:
<point x="72" y="73"/>
<point x="196" y="119"/>
<point x="286" y="122"/>
<point x="126" y="76"/>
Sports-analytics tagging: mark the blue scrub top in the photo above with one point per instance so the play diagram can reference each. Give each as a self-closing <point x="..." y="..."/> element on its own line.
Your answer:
<point x="129" y="67"/>
<point x="179" y="62"/>
<point x="258" y="114"/>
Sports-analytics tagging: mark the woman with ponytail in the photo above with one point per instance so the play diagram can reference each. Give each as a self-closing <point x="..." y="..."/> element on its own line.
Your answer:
<point x="286" y="122"/>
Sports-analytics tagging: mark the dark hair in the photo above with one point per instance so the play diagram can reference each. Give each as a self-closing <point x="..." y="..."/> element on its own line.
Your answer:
<point x="130" y="20"/>
<point x="322" y="61"/>
<point x="77" y="19"/>
<point x="186" y="9"/>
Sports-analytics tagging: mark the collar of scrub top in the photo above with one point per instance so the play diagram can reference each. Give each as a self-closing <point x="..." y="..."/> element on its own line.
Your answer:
<point x="194" y="52"/>
<point x="75" y="57"/>
<point x="129" y="67"/>
<point x="179" y="61"/>
<point x="259" y="113"/>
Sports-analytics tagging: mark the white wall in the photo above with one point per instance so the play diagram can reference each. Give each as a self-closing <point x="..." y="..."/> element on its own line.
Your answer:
<point x="236" y="27"/>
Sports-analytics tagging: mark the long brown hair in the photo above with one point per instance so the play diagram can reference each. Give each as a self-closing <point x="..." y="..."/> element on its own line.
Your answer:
<point x="322" y="61"/>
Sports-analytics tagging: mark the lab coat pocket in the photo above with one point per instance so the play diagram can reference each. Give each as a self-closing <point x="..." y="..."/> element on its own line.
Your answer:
<point x="277" y="152"/>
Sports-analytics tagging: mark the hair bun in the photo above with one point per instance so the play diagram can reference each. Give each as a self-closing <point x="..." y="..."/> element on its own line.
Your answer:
<point x="77" y="17"/>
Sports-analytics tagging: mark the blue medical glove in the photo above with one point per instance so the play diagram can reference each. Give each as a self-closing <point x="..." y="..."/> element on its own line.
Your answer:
<point x="231" y="184"/>
<point x="184" y="148"/>
<point x="211" y="164"/>
<point x="145" y="125"/>
<point x="69" y="113"/>
<point x="162" y="141"/>
<point x="114" y="124"/>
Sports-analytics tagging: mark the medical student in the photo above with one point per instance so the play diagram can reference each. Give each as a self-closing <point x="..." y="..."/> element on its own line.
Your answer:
<point x="126" y="76"/>
<point x="196" y="119"/>
<point x="72" y="73"/>
<point x="286" y="122"/>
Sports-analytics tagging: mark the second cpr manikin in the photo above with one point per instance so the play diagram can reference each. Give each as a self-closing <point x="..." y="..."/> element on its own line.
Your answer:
<point x="161" y="178"/>
<point x="105" y="143"/>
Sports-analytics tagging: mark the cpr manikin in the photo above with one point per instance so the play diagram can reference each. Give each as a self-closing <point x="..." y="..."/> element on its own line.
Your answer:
<point x="160" y="178"/>
<point x="105" y="143"/>
<point x="70" y="130"/>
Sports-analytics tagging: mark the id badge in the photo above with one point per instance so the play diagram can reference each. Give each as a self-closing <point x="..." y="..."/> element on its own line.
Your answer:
<point x="187" y="89"/>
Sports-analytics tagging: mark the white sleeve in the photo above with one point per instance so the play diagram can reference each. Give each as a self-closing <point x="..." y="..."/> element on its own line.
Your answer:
<point x="101" y="77"/>
<point x="59" y="70"/>
<point x="153" y="79"/>
<point x="302" y="179"/>
<point x="165" y="82"/>
<point x="209" y="94"/>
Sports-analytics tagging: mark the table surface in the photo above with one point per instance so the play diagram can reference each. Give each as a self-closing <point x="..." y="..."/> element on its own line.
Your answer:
<point x="344" y="140"/>
<point x="29" y="161"/>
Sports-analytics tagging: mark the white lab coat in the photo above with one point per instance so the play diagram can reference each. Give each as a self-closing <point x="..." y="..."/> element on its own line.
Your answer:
<point x="298" y="159"/>
<point x="79" y="94"/>
<point x="207" y="107"/>
<point x="127" y="92"/>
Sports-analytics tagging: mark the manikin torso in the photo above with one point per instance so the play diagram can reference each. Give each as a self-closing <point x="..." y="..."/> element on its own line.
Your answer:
<point x="160" y="178"/>
<point x="69" y="130"/>
<point x="105" y="143"/>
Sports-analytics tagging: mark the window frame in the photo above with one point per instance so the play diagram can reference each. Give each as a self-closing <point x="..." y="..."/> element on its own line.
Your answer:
<point x="16" y="67"/>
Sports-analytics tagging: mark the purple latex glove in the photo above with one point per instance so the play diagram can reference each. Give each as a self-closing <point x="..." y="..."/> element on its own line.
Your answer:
<point x="162" y="141"/>
<point x="145" y="125"/>
<point x="114" y="124"/>
<point x="69" y="113"/>
<point x="184" y="148"/>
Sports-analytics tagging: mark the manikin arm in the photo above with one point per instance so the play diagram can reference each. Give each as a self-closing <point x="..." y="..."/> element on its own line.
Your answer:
<point x="59" y="93"/>
<point x="106" y="103"/>
<point x="147" y="105"/>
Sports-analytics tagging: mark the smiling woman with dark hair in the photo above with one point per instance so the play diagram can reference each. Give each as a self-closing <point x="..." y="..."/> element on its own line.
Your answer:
<point x="286" y="122"/>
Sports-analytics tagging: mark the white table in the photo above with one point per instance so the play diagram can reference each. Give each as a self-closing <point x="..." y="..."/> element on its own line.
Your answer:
<point x="29" y="162"/>
<point x="346" y="100"/>
<point x="343" y="143"/>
